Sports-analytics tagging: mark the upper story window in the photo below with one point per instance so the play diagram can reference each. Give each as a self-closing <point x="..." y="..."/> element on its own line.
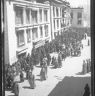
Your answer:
<point x="41" y="32"/>
<point x="40" y="11"/>
<point x="60" y="12"/>
<point x="34" y="33"/>
<point x="18" y="15"/>
<point x="34" y="16"/>
<point x="27" y="16"/>
<point x="63" y="13"/>
<point x="72" y="15"/>
<point x="57" y="23"/>
<point x="57" y="13"/>
<point x="53" y="11"/>
<point x="46" y="30"/>
<point x="20" y="37"/>
<point x="28" y="35"/>
<point x="46" y="15"/>
<point x="79" y="22"/>
<point x="79" y="15"/>
<point x="54" y="24"/>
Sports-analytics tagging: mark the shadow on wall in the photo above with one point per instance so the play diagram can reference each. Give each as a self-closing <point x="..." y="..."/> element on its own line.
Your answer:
<point x="71" y="86"/>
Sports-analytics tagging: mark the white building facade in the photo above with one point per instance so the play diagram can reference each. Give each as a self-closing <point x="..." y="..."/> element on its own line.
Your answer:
<point x="27" y="24"/>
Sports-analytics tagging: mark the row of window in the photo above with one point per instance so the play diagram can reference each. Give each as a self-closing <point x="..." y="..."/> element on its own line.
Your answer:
<point x="59" y="22"/>
<point x="22" y="16"/>
<point x="20" y="34"/>
<point x="79" y="15"/>
<point x="56" y="11"/>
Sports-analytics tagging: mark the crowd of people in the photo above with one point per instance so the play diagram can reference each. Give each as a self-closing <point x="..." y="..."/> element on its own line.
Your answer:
<point x="66" y="44"/>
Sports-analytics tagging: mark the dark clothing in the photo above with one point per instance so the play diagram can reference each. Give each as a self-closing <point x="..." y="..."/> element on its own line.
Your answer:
<point x="43" y="74"/>
<point x="16" y="89"/>
<point x="21" y="77"/>
<point x="87" y="91"/>
<point x="31" y="80"/>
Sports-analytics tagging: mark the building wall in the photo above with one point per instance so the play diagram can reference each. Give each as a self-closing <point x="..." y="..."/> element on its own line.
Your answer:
<point x="75" y="19"/>
<point x="11" y="46"/>
<point x="64" y="20"/>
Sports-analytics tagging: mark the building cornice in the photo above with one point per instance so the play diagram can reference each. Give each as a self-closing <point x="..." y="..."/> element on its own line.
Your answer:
<point x="28" y="3"/>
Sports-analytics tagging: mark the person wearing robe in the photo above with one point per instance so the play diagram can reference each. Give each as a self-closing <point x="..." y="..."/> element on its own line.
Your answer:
<point x="84" y="67"/>
<point x="48" y="59"/>
<point x="43" y="73"/>
<point x="21" y="76"/>
<point x="16" y="87"/>
<point x="60" y="60"/>
<point x="45" y="66"/>
<point x="31" y="79"/>
<point x="56" y="65"/>
<point x="86" y="90"/>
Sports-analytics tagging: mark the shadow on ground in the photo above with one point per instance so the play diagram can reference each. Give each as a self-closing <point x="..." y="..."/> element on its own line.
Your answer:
<point x="71" y="86"/>
<point x="26" y="87"/>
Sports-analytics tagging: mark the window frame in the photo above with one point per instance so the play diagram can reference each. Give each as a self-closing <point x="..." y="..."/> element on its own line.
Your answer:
<point x="79" y="21"/>
<point x="34" y="37"/>
<point x="40" y="14"/>
<point x="78" y="15"/>
<point x="19" y="16"/>
<point x="27" y="9"/>
<point x="28" y="31"/>
<point x="33" y="19"/>
<point x="46" y="16"/>
<point x="19" y="43"/>
<point x="46" y="30"/>
<point x="41" y="32"/>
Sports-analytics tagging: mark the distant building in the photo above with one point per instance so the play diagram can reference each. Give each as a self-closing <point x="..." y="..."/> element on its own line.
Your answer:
<point x="77" y="17"/>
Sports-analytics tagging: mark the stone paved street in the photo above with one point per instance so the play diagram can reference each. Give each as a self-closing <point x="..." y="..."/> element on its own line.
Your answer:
<point x="71" y="66"/>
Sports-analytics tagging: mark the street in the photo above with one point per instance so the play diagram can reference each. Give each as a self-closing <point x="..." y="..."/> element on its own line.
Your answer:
<point x="61" y="81"/>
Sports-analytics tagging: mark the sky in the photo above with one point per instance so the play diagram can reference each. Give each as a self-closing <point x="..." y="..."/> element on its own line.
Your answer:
<point x="76" y="3"/>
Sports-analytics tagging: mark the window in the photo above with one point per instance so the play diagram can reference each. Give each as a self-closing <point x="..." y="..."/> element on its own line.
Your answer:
<point x="27" y="16"/>
<point x="54" y="24"/>
<point x="20" y="37"/>
<point x="40" y="15"/>
<point x="79" y="15"/>
<point x="57" y="23"/>
<point x="34" y="33"/>
<point x="72" y="15"/>
<point x="45" y="15"/>
<point x="60" y="12"/>
<point x="53" y="11"/>
<point x="18" y="15"/>
<point x="57" y="12"/>
<point x="79" y="22"/>
<point x="28" y="35"/>
<point x="34" y="16"/>
<point x="63" y="13"/>
<point x="41" y="32"/>
<point x="46" y="30"/>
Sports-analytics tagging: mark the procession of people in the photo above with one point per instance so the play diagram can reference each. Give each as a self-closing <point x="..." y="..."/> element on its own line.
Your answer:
<point x="67" y="44"/>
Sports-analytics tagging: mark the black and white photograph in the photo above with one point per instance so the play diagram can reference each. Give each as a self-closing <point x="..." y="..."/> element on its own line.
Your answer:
<point x="47" y="47"/>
